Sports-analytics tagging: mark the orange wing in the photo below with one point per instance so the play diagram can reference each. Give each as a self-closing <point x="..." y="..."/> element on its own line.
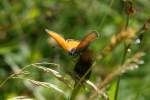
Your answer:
<point x="59" y="39"/>
<point x="71" y="44"/>
<point x="87" y="40"/>
<point x="68" y="44"/>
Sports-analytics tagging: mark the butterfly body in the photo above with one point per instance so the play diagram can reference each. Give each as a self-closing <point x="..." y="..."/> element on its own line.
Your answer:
<point x="78" y="48"/>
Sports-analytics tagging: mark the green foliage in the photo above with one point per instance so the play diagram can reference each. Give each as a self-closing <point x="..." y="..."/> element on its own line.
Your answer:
<point x="23" y="41"/>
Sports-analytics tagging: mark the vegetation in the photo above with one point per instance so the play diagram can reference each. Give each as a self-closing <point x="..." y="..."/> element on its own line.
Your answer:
<point x="34" y="66"/>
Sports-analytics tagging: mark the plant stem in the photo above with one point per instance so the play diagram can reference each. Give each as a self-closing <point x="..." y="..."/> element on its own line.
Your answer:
<point x="119" y="78"/>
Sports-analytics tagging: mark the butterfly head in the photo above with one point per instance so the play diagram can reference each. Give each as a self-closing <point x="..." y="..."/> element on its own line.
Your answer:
<point x="73" y="52"/>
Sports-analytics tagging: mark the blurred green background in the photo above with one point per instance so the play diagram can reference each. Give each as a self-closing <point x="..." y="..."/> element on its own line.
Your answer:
<point x="23" y="41"/>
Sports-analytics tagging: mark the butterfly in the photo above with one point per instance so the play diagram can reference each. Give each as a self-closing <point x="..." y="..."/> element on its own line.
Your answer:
<point x="74" y="47"/>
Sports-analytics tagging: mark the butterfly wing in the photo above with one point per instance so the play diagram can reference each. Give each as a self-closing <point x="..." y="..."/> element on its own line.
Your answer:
<point x="59" y="39"/>
<point x="71" y="45"/>
<point x="86" y="41"/>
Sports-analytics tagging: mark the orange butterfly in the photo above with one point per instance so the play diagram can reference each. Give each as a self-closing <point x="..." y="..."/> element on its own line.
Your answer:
<point x="73" y="46"/>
